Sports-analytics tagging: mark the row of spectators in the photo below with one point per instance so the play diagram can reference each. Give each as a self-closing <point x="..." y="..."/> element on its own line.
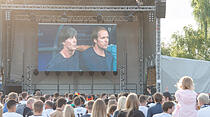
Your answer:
<point x="185" y="104"/>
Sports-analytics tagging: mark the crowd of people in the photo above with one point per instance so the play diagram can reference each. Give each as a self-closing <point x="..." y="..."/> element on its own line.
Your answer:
<point x="185" y="103"/>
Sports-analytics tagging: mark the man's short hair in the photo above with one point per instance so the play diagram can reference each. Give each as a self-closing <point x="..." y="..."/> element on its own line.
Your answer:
<point x="56" y="95"/>
<point x="77" y="101"/>
<point x="204" y="98"/>
<point x="167" y="105"/>
<point x="47" y="97"/>
<point x="30" y="101"/>
<point x="143" y="98"/>
<point x="24" y="95"/>
<point x="90" y="105"/>
<point x="94" y="34"/>
<point x="38" y="106"/>
<point x="60" y="102"/>
<point x="158" y="97"/>
<point x="13" y="95"/>
<point x="65" y="33"/>
<point x="167" y="95"/>
<point x="71" y="96"/>
<point x="11" y="103"/>
<point x="49" y="103"/>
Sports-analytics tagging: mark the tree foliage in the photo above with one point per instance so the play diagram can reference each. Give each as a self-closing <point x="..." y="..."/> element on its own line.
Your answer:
<point x="193" y="43"/>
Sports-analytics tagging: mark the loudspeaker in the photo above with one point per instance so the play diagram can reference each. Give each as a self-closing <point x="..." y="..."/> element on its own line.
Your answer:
<point x="161" y="9"/>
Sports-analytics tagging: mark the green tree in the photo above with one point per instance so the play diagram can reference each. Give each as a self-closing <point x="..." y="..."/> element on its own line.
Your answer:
<point x="201" y="11"/>
<point x="191" y="45"/>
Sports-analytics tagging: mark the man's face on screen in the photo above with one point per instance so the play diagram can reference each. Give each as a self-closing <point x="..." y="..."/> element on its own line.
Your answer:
<point x="103" y="39"/>
<point x="70" y="43"/>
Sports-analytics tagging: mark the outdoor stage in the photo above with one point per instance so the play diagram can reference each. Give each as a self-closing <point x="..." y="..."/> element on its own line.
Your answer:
<point x="138" y="44"/>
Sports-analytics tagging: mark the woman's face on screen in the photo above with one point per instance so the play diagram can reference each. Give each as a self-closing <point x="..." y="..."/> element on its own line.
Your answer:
<point x="70" y="43"/>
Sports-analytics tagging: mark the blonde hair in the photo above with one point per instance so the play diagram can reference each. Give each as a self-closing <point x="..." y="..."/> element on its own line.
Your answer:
<point x="204" y="98"/>
<point x="68" y="111"/>
<point x="185" y="82"/>
<point x="99" y="109"/>
<point x="1" y="110"/>
<point x="121" y="103"/>
<point x="132" y="103"/>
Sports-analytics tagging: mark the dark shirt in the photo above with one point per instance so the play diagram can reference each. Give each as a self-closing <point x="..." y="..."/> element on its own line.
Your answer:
<point x="116" y="113"/>
<point x="90" y="61"/>
<point x="157" y="108"/>
<point x="59" y="63"/>
<point x="133" y="113"/>
<point x="87" y="115"/>
<point x="27" y="112"/>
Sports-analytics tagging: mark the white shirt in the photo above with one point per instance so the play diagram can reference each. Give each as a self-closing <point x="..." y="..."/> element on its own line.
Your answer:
<point x="36" y="116"/>
<point x="23" y="102"/>
<point x="79" y="111"/>
<point x="204" y="112"/>
<point x="144" y="109"/>
<point x="162" y="115"/>
<point x="11" y="114"/>
<point x="47" y="112"/>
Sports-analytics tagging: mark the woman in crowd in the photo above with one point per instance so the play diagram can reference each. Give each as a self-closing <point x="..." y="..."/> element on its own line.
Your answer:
<point x="120" y="105"/>
<point x="186" y="98"/>
<point x="99" y="109"/>
<point x="68" y="111"/>
<point x="111" y="110"/>
<point x="132" y="105"/>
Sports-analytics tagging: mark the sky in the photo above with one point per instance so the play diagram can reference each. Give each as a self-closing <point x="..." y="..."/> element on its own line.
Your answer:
<point x="179" y="13"/>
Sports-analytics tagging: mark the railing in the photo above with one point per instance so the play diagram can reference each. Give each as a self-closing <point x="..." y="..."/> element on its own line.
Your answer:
<point x="84" y="88"/>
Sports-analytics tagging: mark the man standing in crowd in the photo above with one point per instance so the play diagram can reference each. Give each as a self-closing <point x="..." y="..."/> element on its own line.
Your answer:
<point x="37" y="109"/>
<point x="24" y="96"/>
<point x="89" y="107"/>
<point x="143" y="104"/>
<point x="11" y="106"/>
<point x="67" y="59"/>
<point x="11" y="96"/>
<point x="48" y="109"/>
<point x="168" y="108"/>
<point x="157" y="108"/>
<point x="28" y="109"/>
<point x="78" y="110"/>
<point x="203" y="101"/>
<point x="60" y="104"/>
<point x="97" y="58"/>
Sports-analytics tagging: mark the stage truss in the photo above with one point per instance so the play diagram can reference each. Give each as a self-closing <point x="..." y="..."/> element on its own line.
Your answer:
<point x="31" y="16"/>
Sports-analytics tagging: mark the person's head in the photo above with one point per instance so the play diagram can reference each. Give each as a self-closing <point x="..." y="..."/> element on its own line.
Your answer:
<point x="132" y="102"/>
<point x="30" y="102"/>
<point x="168" y="107"/>
<point x="112" y="97"/>
<point x="111" y="110"/>
<point x="56" y="95"/>
<point x="38" y="107"/>
<point x="48" y="105"/>
<point x="103" y="96"/>
<point x="67" y="38"/>
<point x="68" y="111"/>
<point x="185" y="82"/>
<point x="158" y="97"/>
<point x="42" y="99"/>
<point x="100" y="38"/>
<point x="143" y="100"/>
<point x="167" y="96"/>
<point x="24" y="95"/>
<point x="11" y="105"/>
<point x="89" y="106"/>
<point x="77" y="101"/>
<point x="47" y="97"/>
<point x="13" y="96"/>
<point x="38" y="93"/>
<point x="121" y="103"/>
<point x="99" y="108"/>
<point x="203" y="99"/>
<point x="70" y="96"/>
<point x="60" y="103"/>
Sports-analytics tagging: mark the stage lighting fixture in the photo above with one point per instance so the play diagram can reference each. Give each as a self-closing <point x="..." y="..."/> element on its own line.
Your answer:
<point x="36" y="72"/>
<point x="91" y="73"/>
<point x="46" y="73"/>
<point x="99" y="18"/>
<point x="103" y="73"/>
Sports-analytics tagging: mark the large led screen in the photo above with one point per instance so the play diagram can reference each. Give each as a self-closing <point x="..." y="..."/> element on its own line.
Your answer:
<point x="77" y="47"/>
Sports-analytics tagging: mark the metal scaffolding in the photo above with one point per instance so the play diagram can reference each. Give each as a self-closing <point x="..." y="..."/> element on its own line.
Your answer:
<point x="75" y="8"/>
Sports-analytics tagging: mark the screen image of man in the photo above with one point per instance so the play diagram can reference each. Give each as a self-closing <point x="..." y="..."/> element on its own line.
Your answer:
<point x="67" y="58"/>
<point x="97" y="58"/>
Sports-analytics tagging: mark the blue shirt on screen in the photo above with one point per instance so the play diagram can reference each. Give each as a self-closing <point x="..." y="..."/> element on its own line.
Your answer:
<point x="59" y="63"/>
<point x="90" y="61"/>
